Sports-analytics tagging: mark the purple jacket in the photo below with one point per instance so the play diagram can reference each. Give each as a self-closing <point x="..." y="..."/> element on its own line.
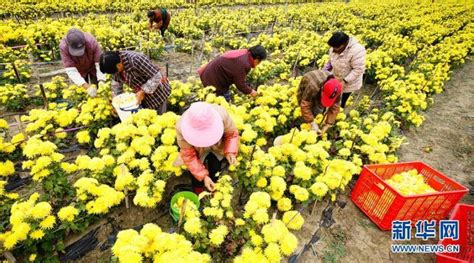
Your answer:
<point x="230" y="68"/>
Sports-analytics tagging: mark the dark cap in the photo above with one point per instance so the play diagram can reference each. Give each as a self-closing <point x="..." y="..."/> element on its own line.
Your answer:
<point x="76" y="42"/>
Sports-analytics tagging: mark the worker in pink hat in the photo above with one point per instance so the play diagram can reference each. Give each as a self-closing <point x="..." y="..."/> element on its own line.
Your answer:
<point x="206" y="135"/>
<point x="319" y="90"/>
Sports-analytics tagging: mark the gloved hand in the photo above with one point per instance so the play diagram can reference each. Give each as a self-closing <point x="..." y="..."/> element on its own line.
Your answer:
<point x="314" y="127"/>
<point x="92" y="91"/>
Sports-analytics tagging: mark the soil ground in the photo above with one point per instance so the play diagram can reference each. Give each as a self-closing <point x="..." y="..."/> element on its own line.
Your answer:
<point x="445" y="141"/>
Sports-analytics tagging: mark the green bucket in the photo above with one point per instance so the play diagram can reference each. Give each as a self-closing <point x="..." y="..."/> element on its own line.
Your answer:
<point x="174" y="212"/>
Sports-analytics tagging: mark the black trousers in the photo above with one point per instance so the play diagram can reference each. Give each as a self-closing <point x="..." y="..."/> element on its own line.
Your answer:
<point x="213" y="165"/>
<point x="345" y="97"/>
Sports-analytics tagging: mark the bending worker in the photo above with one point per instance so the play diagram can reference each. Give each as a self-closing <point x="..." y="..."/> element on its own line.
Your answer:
<point x="230" y="68"/>
<point x="138" y="72"/>
<point x="80" y="54"/>
<point x="159" y="19"/>
<point x="319" y="89"/>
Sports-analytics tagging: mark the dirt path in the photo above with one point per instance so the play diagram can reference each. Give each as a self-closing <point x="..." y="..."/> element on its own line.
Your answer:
<point x="445" y="141"/>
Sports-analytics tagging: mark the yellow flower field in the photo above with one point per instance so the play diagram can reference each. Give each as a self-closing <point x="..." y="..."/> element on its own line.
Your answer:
<point x="412" y="47"/>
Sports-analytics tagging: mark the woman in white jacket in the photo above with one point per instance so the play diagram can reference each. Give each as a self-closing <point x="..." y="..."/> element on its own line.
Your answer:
<point x="347" y="62"/>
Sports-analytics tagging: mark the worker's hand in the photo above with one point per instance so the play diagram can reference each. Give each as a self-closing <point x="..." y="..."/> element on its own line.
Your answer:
<point x="231" y="158"/>
<point x="92" y="91"/>
<point x="140" y="96"/>
<point x="114" y="112"/>
<point x="86" y="85"/>
<point x="209" y="184"/>
<point x="343" y="82"/>
<point x="314" y="127"/>
<point x="155" y="26"/>
<point x="324" y="129"/>
<point x="254" y="93"/>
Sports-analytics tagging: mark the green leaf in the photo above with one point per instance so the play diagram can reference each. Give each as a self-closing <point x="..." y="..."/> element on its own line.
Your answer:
<point x="60" y="246"/>
<point x="48" y="185"/>
<point x="47" y="246"/>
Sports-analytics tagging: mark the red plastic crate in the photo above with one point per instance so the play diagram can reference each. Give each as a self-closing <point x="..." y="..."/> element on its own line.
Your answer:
<point x="465" y="214"/>
<point x="383" y="204"/>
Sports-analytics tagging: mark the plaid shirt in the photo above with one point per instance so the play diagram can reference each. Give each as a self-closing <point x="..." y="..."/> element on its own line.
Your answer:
<point x="311" y="84"/>
<point x="309" y="96"/>
<point x="140" y="71"/>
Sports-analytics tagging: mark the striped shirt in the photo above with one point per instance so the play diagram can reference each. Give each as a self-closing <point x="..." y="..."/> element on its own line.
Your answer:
<point x="139" y="71"/>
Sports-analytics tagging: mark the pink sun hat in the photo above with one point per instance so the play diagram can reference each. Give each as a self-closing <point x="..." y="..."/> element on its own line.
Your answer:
<point x="201" y="125"/>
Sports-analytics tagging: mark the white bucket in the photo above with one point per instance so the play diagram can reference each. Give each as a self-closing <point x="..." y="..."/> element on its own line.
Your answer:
<point x="125" y="109"/>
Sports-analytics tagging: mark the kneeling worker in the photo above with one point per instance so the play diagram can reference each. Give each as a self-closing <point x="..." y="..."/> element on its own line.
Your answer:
<point x="206" y="135"/>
